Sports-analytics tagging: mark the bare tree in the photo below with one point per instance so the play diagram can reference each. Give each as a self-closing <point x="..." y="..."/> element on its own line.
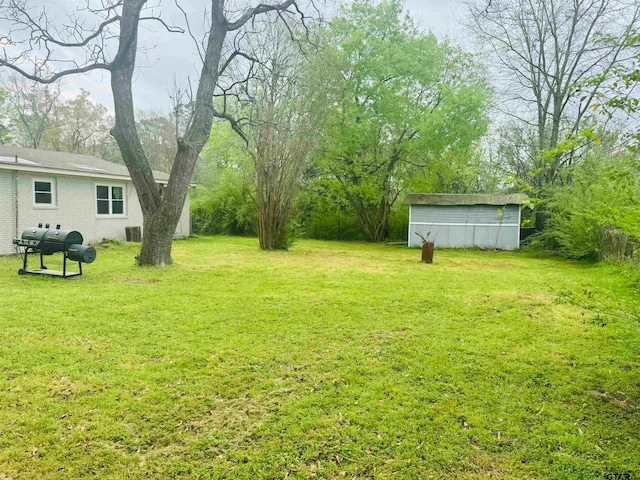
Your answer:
<point x="553" y="60"/>
<point x="279" y="136"/>
<point x="111" y="44"/>
<point x="32" y="109"/>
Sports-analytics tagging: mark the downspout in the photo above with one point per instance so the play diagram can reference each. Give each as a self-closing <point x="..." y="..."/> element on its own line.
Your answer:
<point x="15" y="201"/>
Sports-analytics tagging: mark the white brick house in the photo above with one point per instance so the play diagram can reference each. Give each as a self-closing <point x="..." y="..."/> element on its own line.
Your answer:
<point x="79" y="192"/>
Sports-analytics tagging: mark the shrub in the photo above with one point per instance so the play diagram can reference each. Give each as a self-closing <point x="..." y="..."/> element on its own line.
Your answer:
<point x="225" y="208"/>
<point x="596" y="214"/>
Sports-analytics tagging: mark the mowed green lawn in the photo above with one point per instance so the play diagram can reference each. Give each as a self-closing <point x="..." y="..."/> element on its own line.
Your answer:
<point x="332" y="360"/>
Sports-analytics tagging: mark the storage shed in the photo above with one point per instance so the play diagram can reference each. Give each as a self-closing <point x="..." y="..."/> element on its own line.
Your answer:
<point x="466" y="221"/>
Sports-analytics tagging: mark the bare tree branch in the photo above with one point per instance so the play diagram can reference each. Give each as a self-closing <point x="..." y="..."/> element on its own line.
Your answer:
<point x="169" y="28"/>
<point x="251" y="13"/>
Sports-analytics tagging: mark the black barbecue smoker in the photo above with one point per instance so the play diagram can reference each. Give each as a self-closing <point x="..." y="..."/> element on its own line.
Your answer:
<point x="47" y="241"/>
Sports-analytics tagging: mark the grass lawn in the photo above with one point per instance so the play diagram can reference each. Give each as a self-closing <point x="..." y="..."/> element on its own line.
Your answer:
<point x="332" y="360"/>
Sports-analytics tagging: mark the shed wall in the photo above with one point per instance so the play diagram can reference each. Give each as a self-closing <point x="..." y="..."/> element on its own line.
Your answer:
<point x="484" y="226"/>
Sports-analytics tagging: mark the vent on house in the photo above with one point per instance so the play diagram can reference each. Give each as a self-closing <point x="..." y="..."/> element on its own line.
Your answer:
<point x="20" y="161"/>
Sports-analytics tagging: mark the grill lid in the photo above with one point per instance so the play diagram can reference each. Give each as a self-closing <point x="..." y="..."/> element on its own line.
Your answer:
<point x="54" y="238"/>
<point x="66" y="237"/>
<point x="34" y="234"/>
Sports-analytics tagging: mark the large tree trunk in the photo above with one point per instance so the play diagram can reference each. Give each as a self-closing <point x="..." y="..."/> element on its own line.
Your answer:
<point x="157" y="240"/>
<point x="159" y="227"/>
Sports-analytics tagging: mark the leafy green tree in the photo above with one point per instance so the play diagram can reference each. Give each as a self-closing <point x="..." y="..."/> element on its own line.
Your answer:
<point x="326" y="213"/>
<point x="32" y="109"/>
<point x="225" y="149"/>
<point x="221" y="203"/>
<point x="224" y="207"/>
<point x="398" y="101"/>
<point x="79" y="125"/>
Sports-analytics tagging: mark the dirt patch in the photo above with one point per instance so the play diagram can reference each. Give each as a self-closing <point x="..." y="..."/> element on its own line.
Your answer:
<point x="64" y="387"/>
<point x="619" y="399"/>
<point x="139" y="281"/>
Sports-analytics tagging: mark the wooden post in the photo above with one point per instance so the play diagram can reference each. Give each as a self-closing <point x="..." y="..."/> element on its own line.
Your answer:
<point x="427" y="252"/>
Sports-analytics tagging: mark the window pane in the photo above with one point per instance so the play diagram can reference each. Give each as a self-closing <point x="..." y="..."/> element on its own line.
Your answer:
<point x="44" y="198"/>
<point x="43" y="186"/>
<point x="116" y="193"/>
<point x="102" y="192"/>
<point x="103" y="207"/>
<point x="117" y="207"/>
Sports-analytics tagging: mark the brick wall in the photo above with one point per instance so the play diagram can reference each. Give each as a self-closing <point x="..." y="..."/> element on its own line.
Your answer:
<point x="74" y="209"/>
<point x="7" y="208"/>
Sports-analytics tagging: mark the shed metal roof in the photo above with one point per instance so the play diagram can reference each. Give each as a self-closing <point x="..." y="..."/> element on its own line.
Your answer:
<point x="466" y="199"/>
<point x="44" y="161"/>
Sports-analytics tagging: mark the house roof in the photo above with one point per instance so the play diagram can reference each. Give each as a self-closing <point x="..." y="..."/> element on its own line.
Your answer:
<point x="46" y="161"/>
<point x="465" y="199"/>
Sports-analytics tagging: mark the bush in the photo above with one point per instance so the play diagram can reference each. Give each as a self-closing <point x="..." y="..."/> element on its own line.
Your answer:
<point x="326" y="214"/>
<point x="225" y="208"/>
<point x="596" y="214"/>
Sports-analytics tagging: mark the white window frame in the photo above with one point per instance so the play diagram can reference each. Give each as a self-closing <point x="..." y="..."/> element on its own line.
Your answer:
<point x="54" y="198"/>
<point x="110" y="186"/>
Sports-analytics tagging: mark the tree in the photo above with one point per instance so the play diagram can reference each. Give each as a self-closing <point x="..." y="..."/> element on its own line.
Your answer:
<point x="597" y="214"/>
<point x="33" y="109"/>
<point x="620" y="99"/>
<point x="118" y="22"/>
<point x="5" y="136"/>
<point x="554" y="60"/>
<point x="221" y="203"/>
<point x="279" y="134"/>
<point x="398" y="101"/>
<point x="158" y="136"/>
<point x="39" y="118"/>
<point x="79" y="126"/>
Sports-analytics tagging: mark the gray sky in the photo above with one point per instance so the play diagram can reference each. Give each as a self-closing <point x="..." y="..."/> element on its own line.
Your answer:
<point x="174" y="55"/>
<point x="442" y="17"/>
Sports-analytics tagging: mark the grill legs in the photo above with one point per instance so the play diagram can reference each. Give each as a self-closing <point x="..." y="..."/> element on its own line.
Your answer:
<point x="43" y="269"/>
<point x="24" y="260"/>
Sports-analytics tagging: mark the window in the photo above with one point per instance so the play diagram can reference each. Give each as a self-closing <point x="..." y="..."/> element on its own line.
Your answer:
<point x="44" y="193"/>
<point x="109" y="200"/>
